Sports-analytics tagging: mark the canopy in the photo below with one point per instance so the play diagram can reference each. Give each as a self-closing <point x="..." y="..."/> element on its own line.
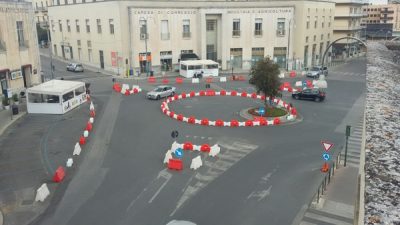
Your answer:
<point x="55" y="87"/>
<point x="198" y="62"/>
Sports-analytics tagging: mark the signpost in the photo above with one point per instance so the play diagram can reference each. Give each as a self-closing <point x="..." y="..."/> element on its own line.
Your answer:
<point x="326" y="156"/>
<point x="174" y="134"/>
<point x="348" y="129"/>
<point x="178" y="152"/>
<point x="261" y="111"/>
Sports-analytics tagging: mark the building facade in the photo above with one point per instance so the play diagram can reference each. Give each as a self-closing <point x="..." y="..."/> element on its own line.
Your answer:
<point x="40" y="8"/>
<point x="348" y="15"/>
<point x="19" y="53"/>
<point x="128" y="35"/>
<point x="383" y="20"/>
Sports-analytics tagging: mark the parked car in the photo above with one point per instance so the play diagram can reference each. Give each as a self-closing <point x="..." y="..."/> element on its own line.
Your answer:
<point x="75" y="67"/>
<point x="161" y="92"/>
<point x="314" y="94"/>
<point x="316" y="71"/>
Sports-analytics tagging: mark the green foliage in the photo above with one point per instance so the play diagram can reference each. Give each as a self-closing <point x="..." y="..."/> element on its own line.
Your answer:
<point x="15" y="97"/>
<point x="265" y="77"/>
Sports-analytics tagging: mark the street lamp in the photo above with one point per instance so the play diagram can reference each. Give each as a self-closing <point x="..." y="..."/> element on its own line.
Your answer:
<point x="144" y="30"/>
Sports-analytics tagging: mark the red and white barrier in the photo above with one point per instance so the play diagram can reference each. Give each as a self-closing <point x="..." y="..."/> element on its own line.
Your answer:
<point x="42" y="193"/>
<point x="126" y="90"/>
<point x="219" y="123"/>
<point x="196" y="163"/>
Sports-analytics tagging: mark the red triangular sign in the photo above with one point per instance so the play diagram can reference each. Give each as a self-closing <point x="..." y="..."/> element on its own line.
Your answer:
<point x="327" y="145"/>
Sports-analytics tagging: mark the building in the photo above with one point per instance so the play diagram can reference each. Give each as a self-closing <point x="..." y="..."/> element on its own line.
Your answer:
<point x="383" y="21"/>
<point x="19" y="53"/>
<point x="40" y="7"/>
<point x="134" y="35"/>
<point x="347" y="23"/>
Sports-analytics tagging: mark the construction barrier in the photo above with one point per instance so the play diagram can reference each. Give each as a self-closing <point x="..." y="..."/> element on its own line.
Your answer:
<point x="175" y="164"/>
<point x="41" y="193"/>
<point x="219" y="123"/>
<point x="59" y="174"/>
<point x="196" y="163"/>
<point x="69" y="163"/>
<point x="77" y="149"/>
<point x="125" y="89"/>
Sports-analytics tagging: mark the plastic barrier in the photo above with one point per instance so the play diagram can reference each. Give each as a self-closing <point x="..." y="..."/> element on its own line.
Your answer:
<point x="175" y="164"/>
<point x="91" y="107"/>
<point x="195" y="80"/>
<point x="59" y="175"/>
<point x="92" y="113"/>
<point x="41" y="193"/>
<point x="69" y="163"/>
<point x="187" y="146"/>
<point x="151" y="80"/>
<point x="222" y="79"/>
<point x="205" y="148"/>
<point x="292" y="73"/>
<point x="179" y="80"/>
<point x="168" y="156"/>
<point x="77" y="149"/>
<point x="196" y="163"/>
<point x="165" y="81"/>
<point x="215" y="150"/>
<point x="82" y="140"/>
<point x="124" y="88"/>
<point x="85" y="133"/>
<point x="91" y="120"/>
<point x="209" y="80"/>
<point x="89" y="126"/>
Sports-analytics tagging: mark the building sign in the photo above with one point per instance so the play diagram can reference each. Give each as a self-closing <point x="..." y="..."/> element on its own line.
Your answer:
<point x="13" y="10"/>
<point x="16" y="74"/>
<point x="142" y="57"/>
<point x="251" y="11"/>
<point x="168" y="12"/>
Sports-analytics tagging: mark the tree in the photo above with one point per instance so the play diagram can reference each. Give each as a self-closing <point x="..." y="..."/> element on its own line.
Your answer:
<point x="264" y="76"/>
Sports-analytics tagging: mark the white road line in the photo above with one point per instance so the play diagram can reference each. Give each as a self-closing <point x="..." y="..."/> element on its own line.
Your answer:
<point x="159" y="190"/>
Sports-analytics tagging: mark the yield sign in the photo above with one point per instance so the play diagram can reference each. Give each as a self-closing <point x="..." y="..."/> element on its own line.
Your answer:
<point x="327" y="145"/>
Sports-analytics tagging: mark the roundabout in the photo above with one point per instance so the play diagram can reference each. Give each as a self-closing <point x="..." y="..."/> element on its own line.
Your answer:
<point x="256" y="121"/>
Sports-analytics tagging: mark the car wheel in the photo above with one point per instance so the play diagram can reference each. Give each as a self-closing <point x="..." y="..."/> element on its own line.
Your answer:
<point x="317" y="99"/>
<point x="296" y="97"/>
<point x="158" y="97"/>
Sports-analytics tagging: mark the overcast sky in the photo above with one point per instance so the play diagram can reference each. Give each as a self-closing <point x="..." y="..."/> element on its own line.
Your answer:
<point x="378" y="2"/>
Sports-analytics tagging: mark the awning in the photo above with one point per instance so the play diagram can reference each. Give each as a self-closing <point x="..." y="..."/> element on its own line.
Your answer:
<point x="4" y="70"/>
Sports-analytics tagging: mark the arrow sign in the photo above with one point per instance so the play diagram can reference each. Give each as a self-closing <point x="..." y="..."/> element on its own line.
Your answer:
<point x="326" y="156"/>
<point x="178" y="152"/>
<point x="261" y="111"/>
<point x="326" y="145"/>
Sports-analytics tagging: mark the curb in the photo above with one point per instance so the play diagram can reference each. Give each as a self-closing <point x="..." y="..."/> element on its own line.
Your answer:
<point x="243" y="113"/>
<point x="15" y="118"/>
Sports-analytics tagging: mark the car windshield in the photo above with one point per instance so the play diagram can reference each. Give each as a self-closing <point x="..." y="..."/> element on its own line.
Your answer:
<point x="315" y="69"/>
<point x="159" y="89"/>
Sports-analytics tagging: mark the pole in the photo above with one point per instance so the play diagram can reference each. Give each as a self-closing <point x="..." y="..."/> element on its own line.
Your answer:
<point x="347" y="140"/>
<point x="51" y="53"/>
<point x="145" y="42"/>
<point x="288" y="52"/>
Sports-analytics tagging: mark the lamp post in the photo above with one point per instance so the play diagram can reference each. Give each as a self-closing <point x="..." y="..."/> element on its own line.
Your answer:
<point x="144" y="30"/>
<point x="288" y="51"/>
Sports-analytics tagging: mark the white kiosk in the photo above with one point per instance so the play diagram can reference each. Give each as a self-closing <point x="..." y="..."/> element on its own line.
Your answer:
<point x="189" y="67"/>
<point x="55" y="96"/>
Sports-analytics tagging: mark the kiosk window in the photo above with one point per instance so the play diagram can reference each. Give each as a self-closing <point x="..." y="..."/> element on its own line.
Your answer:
<point x="42" y="98"/>
<point x="68" y="96"/>
<point x="79" y="91"/>
<point x="214" y="66"/>
<point x="183" y="67"/>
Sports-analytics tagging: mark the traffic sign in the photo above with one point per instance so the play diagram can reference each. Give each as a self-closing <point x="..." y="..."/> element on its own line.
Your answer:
<point x="178" y="152"/>
<point x="261" y="111"/>
<point x="174" y="134"/>
<point x="326" y="156"/>
<point x="325" y="168"/>
<point x="326" y="145"/>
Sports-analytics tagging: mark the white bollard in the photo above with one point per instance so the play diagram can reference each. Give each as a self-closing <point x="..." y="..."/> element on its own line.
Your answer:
<point x="168" y="156"/>
<point x="222" y="79"/>
<point x="196" y="163"/>
<point x="91" y="120"/>
<point x="91" y="107"/>
<point x="86" y="133"/>
<point x="215" y="149"/>
<point x="42" y="193"/>
<point x="70" y="161"/>
<point x="77" y="149"/>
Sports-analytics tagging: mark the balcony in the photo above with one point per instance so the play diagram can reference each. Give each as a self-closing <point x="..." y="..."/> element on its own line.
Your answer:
<point x="23" y="45"/>
<point x="165" y="36"/>
<point x="236" y="33"/>
<point x="186" y="34"/>
<point x="258" y="33"/>
<point x="280" y="33"/>
<point x="2" y="46"/>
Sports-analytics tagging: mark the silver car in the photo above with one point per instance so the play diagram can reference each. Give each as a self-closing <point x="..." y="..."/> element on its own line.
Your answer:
<point x="75" y="67"/>
<point x="161" y="92"/>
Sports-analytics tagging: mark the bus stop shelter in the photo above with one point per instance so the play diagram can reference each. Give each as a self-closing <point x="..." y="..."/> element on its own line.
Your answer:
<point x="55" y="96"/>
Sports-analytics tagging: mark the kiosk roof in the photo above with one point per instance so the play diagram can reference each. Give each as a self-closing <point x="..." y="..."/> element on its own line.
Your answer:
<point x="56" y="87"/>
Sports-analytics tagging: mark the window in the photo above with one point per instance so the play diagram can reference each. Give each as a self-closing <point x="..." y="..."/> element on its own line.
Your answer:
<point x="79" y="53"/>
<point x="58" y="2"/>
<point x="20" y="33"/>
<point x="349" y="23"/>
<point x="186" y="28"/>
<point x="98" y="22"/>
<point x="65" y="2"/>
<point x="316" y="22"/>
<point x="68" y="26"/>
<point x="60" y="25"/>
<point x="164" y="30"/>
<point x="43" y="98"/>
<point x="308" y="10"/>
<point x="323" y="22"/>
<point x="87" y="26"/>
<point x="351" y="10"/>
<point x="111" y="22"/>
<point x="306" y="39"/>
<point x="258" y="27"/>
<point x="74" y="1"/>
<point x="90" y="55"/>
<point x="78" y="29"/>
<point x="68" y="96"/>
<point x="236" y="27"/>
<point x="322" y="37"/>
<point x="329" y="35"/>
<point x="79" y="91"/>
<point x="281" y="27"/>
<point x="89" y="44"/>
<point x="308" y="22"/>
<point x="315" y="37"/>
<point x="53" y="28"/>
<point x="78" y="42"/>
<point x="210" y="25"/>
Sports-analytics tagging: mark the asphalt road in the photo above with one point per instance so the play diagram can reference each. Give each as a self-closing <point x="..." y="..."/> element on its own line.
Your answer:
<point x="264" y="175"/>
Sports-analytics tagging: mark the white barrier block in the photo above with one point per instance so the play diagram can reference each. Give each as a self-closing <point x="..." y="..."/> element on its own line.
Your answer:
<point x="249" y="95"/>
<point x="195" y="80"/>
<point x="175" y="116"/>
<point x="314" y="82"/>
<point x="217" y="93"/>
<point x="124" y="88"/>
<point x="197" y="94"/>
<point x="185" y="119"/>
<point x="322" y="84"/>
<point x="196" y="147"/>
<point x="196" y="163"/>
<point x="196" y="121"/>
<point x="242" y="124"/>
<point x="135" y="86"/>
<point x="176" y="145"/>
<point x="298" y="84"/>
<point x="215" y="149"/>
<point x="168" y="156"/>
<point x="179" y="96"/>
<point x="227" y="124"/>
<point x="91" y="120"/>
<point x="281" y="103"/>
<point x="91" y="107"/>
<point x="211" y="123"/>
<point x="77" y="149"/>
<point x="42" y="193"/>
<point x="282" y="75"/>
<point x="290" y="117"/>
<point x="70" y="161"/>
<point x="285" y="89"/>
<point x="222" y="79"/>
<point x="86" y="133"/>
<point x="258" y="96"/>
<point x="270" y="122"/>
<point x="303" y="73"/>
<point x="228" y="93"/>
<point x="256" y="123"/>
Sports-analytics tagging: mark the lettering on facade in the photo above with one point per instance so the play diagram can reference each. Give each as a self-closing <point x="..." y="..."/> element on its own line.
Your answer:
<point x="13" y="10"/>
<point x="168" y="12"/>
<point x="247" y="11"/>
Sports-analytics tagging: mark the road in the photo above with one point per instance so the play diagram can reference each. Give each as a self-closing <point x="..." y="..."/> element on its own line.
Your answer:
<point x="262" y="174"/>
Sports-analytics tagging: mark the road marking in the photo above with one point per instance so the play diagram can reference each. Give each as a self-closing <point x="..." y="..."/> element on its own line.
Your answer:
<point x="260" y="194"/>
<point x="159" y="190"/>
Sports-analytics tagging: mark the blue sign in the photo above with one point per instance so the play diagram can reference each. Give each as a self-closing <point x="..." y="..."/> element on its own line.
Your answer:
<point x="261" y="111"/>
<point x="304" y="83"/>
<point x="326" y="156"/>
<point x="178" y="152"/>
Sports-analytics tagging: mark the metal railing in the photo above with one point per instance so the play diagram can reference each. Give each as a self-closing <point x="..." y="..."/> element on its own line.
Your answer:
<point x="236" y="33"/>
<point x="258" y="32"/>
<point x="186" y="34"/>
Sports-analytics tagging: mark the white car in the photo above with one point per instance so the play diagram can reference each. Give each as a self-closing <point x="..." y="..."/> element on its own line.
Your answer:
<point x="161" y="92"/>
<point x="180" y="222"/>
<point x="75" y="67"/>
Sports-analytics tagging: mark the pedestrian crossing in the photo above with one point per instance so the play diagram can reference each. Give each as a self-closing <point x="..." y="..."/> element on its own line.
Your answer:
<point x="340" y="73"/>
